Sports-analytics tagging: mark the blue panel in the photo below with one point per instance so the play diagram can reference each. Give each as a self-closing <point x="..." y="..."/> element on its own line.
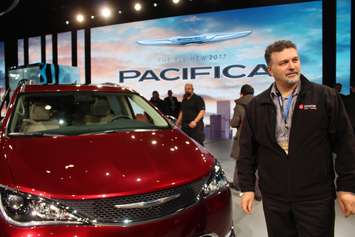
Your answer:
<point x="2" y="66"/>
<point x="343" y="42"/>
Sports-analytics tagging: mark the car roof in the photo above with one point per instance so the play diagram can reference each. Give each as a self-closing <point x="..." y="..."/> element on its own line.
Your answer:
<point x="26" y="88"/>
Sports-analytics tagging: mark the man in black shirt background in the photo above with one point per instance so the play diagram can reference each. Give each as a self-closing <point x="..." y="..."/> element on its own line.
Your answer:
<point x="157" y="102"/>
<point x="172" y="104"/>
<point x="191" y="114"/>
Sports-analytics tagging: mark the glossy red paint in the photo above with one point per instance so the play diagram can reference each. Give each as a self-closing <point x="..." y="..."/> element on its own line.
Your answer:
<point x="104" y="165"/>
<point x="110" y="165"/>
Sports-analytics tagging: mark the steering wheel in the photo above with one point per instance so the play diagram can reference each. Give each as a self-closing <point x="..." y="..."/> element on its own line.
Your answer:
<point x="120" y="116"/>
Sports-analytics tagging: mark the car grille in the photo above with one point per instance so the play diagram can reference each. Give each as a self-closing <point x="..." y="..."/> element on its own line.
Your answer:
<point x="103" y="211"/>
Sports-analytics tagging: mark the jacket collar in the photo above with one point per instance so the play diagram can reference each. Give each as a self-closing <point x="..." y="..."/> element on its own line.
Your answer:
<point x="305" y="87"/>
<point x="244" y="99"/>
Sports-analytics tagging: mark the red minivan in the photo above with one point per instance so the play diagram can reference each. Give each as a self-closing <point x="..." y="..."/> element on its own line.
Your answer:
<point x="100" y="161"/>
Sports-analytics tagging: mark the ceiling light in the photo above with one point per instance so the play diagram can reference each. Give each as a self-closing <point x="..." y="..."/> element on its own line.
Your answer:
<point x="80" y="18"/>
<point x="176" y="1"/>
<point x="155" y="4"/>
<point x="92" y="17"/>
<point x="137" y="6"/>
<point x="67" y="22"/>
<point x="106" y="12"/>
<point x="119" y="12"/>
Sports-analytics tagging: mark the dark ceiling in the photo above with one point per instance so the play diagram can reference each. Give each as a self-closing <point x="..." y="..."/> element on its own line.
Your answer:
<point x="36" y="17"/>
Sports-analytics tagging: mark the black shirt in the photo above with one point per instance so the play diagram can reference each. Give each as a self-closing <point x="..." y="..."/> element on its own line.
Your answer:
<point x="160" y="104"/>
<point x="191" y="107"/>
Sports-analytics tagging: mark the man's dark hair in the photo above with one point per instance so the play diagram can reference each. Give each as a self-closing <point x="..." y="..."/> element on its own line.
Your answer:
<point x="277" y="46"/>
<point x="247" y="90"/>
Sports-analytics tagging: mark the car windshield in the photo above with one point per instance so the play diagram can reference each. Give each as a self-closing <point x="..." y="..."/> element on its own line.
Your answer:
<point x="74" y="113"/>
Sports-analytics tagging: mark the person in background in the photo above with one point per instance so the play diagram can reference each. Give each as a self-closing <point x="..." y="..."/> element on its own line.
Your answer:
<point x="289" y="134"/>
<point x="157" y="102"/>
<point x="191" y="115"/>
<point x="172" y="104"/>
<point x="338" y="88"/>
<point x="246" y="95"/>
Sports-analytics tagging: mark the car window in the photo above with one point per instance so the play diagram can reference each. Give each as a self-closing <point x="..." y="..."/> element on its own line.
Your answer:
<point x="74" y="113"/>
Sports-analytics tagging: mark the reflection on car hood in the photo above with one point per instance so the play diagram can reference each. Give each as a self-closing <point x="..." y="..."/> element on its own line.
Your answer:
<point x="103" y="165"/>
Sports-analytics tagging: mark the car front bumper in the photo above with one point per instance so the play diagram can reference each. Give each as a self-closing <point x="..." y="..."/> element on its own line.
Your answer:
<point x="211" y="217"/>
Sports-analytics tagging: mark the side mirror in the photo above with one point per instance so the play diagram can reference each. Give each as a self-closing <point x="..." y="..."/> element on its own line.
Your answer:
<point x="172" y="119"/>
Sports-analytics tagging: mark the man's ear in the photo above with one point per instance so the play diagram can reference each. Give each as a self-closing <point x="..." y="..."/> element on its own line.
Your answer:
<point x="269" y="70"/>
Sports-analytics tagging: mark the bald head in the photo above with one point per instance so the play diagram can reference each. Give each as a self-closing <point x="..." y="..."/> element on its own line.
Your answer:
<point x="189" y="90"/>
<point x="189" y="87"/>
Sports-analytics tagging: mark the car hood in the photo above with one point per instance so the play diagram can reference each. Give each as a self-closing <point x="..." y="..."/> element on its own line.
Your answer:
<point x="104" y="165"/>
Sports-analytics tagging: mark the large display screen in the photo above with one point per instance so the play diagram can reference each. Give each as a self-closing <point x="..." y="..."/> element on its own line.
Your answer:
<point x="34" y="50"/>
<point x="2" y="66"/>
<point x="343" y="41"/>
<point x="218" y="52"/>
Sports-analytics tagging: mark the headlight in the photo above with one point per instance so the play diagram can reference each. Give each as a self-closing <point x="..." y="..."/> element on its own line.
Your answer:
<point x="216" y="181"/>
<point x="28" y="210"/>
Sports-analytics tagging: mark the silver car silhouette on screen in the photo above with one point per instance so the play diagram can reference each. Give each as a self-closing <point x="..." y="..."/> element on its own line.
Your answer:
<point x="195" y="39"/>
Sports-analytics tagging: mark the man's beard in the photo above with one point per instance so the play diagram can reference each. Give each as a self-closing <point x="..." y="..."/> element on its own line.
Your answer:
<point x="291" y="82"/>
<point x="187" y="94"/>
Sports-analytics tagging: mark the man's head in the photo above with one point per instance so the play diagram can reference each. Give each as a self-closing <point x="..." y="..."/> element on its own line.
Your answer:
<point x="283" y="62"/>
<point x="189" y="89"/>
<point x="155" y="95"/>
<point x="246" y="90"/>
<point x="338" y="87"/>
<point x="170" y="93"/>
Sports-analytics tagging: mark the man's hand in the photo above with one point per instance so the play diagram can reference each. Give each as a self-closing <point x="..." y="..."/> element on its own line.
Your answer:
<point x="346" y="202"/>
<point x="192" y="124"/>
<point x="247" y="202"/>
<point x="179" y="120"/>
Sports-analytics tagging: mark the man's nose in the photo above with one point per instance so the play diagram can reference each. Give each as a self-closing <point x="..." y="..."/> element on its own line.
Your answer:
<point x="291" y="65"/>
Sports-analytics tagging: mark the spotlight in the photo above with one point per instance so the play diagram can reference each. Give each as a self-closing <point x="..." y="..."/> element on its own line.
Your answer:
<point x="155" y="4"/>
<point x="80" y="18"/>
<point x="67" y="22"/>
<point x="137" y="6"/>
<point x="106" y="12"/>
<point x="175" y="1"/>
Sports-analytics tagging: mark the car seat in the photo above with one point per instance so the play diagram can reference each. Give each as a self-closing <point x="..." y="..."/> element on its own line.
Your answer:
<point x="100" y="112"/>
<point x="39" y="119"/>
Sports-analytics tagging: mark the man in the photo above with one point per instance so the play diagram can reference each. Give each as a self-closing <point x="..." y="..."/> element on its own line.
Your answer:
<point x="289" y="133"/>
<point x="350" y="106"/>
<point x="246" y="95"/>
<point x="157" y="102"/>
<point x="191" y="114"/>
<point x="172" y="104"/>
<point x="338" y="87"/>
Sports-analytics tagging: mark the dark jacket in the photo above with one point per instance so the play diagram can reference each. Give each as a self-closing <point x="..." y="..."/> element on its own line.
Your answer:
<point x="160" y="104"/>
<point x="172" y="106"/>
<point x="236" y="121"/>
<point x="349" y="102"/>
<point x="320" y="126"/>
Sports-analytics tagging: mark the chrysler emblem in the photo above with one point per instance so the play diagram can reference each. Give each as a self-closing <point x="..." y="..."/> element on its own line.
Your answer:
<point x="147" y="204"/>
